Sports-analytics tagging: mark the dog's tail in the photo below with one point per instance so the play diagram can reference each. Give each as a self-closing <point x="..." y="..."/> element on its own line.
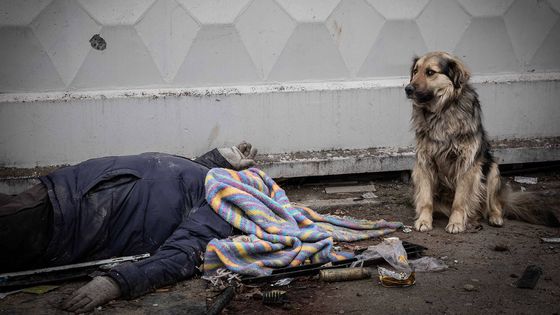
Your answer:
<point x="527" y="206"/>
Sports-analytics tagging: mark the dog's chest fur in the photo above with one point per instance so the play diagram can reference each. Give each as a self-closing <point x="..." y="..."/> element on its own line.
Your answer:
<point x="447" y="138"/>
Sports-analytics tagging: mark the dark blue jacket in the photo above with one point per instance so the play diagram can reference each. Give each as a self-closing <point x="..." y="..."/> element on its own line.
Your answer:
<point x="128" y="205"/>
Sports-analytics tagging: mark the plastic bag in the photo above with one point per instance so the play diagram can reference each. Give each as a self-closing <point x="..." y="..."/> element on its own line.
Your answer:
<point x="392" y="250"/>
<point x="428" y="264"/>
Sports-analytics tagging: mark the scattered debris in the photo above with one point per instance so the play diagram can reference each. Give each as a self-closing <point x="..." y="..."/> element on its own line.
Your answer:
<point x="161" y="290"/>
<point x="282" y="282"/>
<point x="526" y="180"/>
<point x="393" y="252"/>
<point x="223" y="278"/>
<point x="530" y="277"/>
<point x="369" y="195"/>
<point x="550" y="239"/>
<point x="221" y="301"/>
<point x="428" y="264"/>
<point x="5" y="294"/>
<point x="390" y="278"/>
<point x="501" y="248"/>
<point x="469" y="287"/>
<point x="405" y="177"/>
<point x="338" y="183"/>
<point x="407" y="229"/>
<point x="344" y="274"/>
<point x="274" y="297"/>
<point x="40" y="289"/>
<point x="350" y="189"/>
<point x="475" y="228"/>
<point x="361" y="260"/>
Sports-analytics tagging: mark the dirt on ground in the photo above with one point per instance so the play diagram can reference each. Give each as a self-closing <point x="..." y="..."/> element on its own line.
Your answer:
<point x="484" y="264"/>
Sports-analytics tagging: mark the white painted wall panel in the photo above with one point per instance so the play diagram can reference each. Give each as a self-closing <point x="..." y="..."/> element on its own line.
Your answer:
<point x="288" y="75"/>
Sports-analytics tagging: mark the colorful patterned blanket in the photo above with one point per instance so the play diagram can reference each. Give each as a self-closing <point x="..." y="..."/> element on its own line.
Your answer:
<point x="280" y="234"/>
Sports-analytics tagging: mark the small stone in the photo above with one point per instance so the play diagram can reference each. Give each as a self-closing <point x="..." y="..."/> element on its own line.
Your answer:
<point x="501" y="248"/>
<point x="369" y="195"/>
<point x="341" y="312"/>
<point x="475" y="280"/>
<point x="287" y="306"/>
<point x="469" y="287"/>
<point x="155" y="304"/>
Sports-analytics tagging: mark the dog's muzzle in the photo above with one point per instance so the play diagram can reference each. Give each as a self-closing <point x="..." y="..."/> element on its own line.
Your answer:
<point x="409" y="89"/>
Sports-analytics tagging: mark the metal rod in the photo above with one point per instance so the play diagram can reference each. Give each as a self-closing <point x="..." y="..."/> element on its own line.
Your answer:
<point x="74" y="266"/>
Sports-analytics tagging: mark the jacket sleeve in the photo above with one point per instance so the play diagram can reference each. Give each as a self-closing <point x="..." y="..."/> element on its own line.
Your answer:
<point x="213" y="159"/>
<point x="177" y="258"/>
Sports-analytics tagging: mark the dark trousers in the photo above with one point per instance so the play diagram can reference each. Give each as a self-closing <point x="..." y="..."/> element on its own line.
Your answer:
<point x="25" y="229"/>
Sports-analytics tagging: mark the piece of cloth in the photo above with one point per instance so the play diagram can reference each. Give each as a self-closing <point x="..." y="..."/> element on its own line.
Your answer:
<point x="281" y="234"/>
<point x="25" y="228"/>
<point x="128" y="205"/>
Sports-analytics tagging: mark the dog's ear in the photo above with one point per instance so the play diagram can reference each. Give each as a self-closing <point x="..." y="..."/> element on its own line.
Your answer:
<point x="414" y="61"/>
<point x="457" y="72"/>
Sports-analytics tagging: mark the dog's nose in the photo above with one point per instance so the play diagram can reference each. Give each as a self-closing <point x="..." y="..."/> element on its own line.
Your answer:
<point x="409" y="89"/>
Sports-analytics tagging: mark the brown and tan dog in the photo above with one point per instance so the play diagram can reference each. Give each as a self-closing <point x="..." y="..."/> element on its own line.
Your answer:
<point x="455" y="172"/>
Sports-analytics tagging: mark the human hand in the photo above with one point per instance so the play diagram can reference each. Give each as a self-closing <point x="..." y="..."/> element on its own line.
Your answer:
<point x="97" y="292"/>
<point x="240" y="156"/>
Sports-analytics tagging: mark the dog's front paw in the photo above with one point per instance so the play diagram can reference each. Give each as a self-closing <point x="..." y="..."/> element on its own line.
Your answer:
<point x="496" y="221"/>
<point x="455" y="228"/>
<point x="423" y="225"/>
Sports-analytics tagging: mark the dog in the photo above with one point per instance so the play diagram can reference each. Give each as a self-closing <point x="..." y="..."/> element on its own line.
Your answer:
<point x="455" y="172"/>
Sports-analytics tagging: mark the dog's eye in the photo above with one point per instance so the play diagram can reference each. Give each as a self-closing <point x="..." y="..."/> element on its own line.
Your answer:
<point x="430" y="73"/>
<point x="415" y="71"/>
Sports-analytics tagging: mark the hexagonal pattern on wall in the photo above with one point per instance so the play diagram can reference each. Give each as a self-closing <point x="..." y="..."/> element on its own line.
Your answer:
<point x="122" y="12"/>
<point x="192" y="43"/>
<point x="167" y="42"/>
<point x="59" y="37"/>
<point x="443" y="15"/>
<point x="399" y="9"/>
<point x="215" y="11"/>
<point x="306" y="11"/>
<point x="20" y="12"/>
<point x="265" y="28"/>
<point x="485" y="8"/>
<point x="528" y="25"/>
<point x="353" y="25"/>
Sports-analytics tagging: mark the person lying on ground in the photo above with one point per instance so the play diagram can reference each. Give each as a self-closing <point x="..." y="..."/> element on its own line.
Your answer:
<point x="118" y="206"/>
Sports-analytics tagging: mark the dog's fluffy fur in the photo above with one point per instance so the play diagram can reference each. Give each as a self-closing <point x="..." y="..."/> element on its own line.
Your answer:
<point x="455" y="172"/>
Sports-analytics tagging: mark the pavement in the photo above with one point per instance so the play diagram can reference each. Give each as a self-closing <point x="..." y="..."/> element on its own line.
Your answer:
<point x="484" y="263"/>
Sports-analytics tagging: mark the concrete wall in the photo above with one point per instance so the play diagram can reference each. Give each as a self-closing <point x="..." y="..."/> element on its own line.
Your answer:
<point x="288" y="75"/>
